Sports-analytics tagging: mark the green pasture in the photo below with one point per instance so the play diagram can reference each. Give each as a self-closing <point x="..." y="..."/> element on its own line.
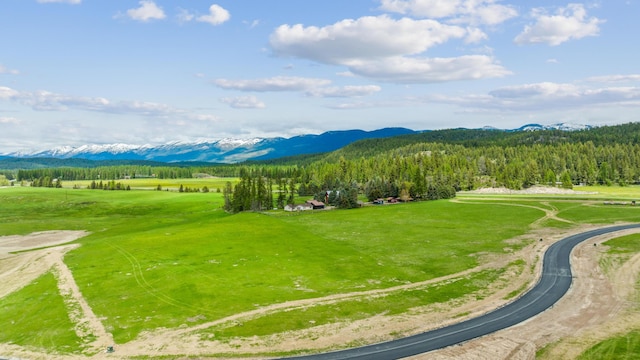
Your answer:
<point x="213" y="183"/>
<point x="36" y="316"/>
<point x="166" y="259"/>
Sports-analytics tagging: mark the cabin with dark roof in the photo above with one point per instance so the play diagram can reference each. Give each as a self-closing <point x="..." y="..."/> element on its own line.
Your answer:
<point x="315" y="204"/>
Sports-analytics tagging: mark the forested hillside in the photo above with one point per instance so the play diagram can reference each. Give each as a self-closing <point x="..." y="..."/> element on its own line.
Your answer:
<point x="429" y="165"/>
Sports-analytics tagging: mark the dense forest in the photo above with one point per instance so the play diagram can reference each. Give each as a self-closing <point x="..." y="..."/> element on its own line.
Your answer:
<point x="427" y="165"/>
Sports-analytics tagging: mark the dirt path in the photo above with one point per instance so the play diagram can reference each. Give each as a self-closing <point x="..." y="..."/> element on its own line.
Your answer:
<point x="87" y="324"/>
<point x="19" y="270"/>
<point x="551" y="213"/>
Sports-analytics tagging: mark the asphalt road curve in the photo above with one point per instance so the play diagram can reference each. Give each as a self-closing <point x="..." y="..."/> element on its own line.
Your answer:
<point x="553" y="284"/>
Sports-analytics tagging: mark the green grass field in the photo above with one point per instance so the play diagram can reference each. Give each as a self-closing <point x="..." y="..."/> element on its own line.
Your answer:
<point x="163" y="259"/>
<point x="36" y="316"/>
<point x="213" y="183"/>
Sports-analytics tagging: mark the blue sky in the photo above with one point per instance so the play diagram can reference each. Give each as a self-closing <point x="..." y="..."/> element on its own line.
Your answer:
<point x="76" y="72"/>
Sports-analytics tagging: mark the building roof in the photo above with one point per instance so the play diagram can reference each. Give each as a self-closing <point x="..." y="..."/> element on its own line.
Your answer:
<point x="315" y="203"/>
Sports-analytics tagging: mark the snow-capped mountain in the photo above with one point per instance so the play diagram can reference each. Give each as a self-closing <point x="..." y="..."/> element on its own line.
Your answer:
<point x="237" y="150"/>
<point x="220" y="151"/>
<point x="558" y="126"/>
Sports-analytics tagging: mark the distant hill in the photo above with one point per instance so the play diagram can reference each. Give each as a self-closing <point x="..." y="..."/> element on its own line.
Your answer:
<point x="228" y="151"/>
<point x="216" y="151"/>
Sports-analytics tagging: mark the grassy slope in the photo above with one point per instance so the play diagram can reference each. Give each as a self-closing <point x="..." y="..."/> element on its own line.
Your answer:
<point x="25" y="321"/>
<point x="623" y="346"/>
<point x="162" y="259"/>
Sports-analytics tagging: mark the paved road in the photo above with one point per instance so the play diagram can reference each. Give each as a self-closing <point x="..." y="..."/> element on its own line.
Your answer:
<point x="554" y="283"/>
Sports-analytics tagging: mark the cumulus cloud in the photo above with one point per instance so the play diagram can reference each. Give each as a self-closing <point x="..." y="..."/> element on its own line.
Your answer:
<point x="480" y="12"/>
<point x="429" y="70"/>
<point x="5" y="70"/>
<point x="567" y="23"/>
<point x="148" y="10"/>
<point x="366" y="37"/>
<point x="475" y="35"/>
<point x="385" y="48"/>
<point x="244" y="102"/>
<point x="278" y="83"/>
<point x="217" y="15"/>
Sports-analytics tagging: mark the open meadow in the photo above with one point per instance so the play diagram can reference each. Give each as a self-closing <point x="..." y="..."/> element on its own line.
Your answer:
<point x="169" y="273"/>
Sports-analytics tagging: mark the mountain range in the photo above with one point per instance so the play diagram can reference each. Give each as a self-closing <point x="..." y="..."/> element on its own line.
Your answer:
<point x="238" y="150"/>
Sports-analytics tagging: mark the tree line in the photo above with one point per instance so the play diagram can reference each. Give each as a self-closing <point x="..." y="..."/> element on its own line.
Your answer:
<point x="408" y="167"/>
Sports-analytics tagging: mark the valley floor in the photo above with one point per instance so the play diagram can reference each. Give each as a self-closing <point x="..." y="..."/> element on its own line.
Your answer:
<point x="596" y="307"/>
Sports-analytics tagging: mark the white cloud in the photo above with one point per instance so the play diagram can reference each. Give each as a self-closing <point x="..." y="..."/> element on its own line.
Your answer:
<point x="568" y="23"/>
<point x="9" y="120"/>
<point x="545" y="95"/>
<point x="423" y="8"/>
<point x="344" y="91"/>
<point x="615" y="78"/>
<point x="485" y="12"/>
<point x="532" y="90"/>
<point x="5" y="70"/>
<point x="60" y="1"/>
<point x="202" y="117"/>
<point x="148" y="10"/>
<point x="475" y="35"/>
<point x="48" y="101"/>
<point x="252" y="24"/>
<point x="217" y="15"/>
<point x="366" y="37"/>
<point x="244" y="102"/>
<point x="353" y="106"/>
<point x="184" y="16"/>
<point x="429" y="70"/>
<point x="7" y="93"/>
<point x="384" y="48"/>
<point x="278" y="83"/>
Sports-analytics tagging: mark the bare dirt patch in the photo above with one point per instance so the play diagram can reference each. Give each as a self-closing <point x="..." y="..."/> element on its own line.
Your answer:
<point x="19" y="270"/>
<point x="15" y="243"/>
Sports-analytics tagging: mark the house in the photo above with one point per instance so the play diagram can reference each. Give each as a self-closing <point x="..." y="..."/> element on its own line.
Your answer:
<point x="299" y="207"/>
<point x="315" y="204"/>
